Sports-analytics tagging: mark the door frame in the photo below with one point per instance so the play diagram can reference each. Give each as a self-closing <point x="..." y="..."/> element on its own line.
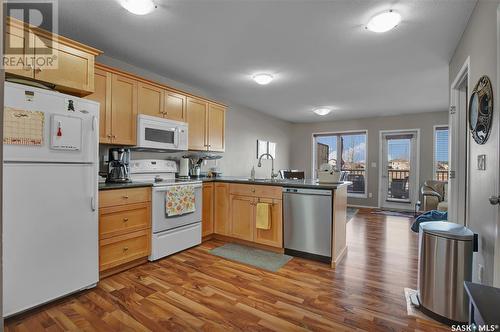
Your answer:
<point x="457" y="123"/>
<point x="496" y="264"/>
<point x="415" y="197"/>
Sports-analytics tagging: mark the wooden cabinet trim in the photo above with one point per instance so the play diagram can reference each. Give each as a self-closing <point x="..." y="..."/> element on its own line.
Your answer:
<point x="61" y="39"/>
<point x="148" y="81"/>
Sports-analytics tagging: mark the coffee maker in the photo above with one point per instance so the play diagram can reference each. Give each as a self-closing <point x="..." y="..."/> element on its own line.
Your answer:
<point x="118" y="165"/>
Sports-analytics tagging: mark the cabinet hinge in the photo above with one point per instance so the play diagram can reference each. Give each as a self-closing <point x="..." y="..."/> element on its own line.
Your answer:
<point x="453" y="110"/>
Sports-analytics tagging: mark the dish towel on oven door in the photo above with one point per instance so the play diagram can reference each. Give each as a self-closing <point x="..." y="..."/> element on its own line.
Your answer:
<point x="179" y="200"/>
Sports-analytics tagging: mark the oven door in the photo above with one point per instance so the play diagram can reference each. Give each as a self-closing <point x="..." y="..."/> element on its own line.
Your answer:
<point x="157" y="134"/>
<point x="160" y="220"/>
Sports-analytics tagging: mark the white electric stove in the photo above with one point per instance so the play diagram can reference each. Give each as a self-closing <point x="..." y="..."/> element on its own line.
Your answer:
<point x="170" y="234"/>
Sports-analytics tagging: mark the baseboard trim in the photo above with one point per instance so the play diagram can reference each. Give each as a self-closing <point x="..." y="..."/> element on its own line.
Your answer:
<point x="339" y="258"/>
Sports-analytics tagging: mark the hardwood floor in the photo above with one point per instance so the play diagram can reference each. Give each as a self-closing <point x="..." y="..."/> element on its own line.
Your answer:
<point x="195" y="290"/>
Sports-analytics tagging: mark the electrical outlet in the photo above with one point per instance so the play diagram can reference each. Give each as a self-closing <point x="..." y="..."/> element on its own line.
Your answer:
<point x="370" y="195"/>
<point x="480" y="273"/>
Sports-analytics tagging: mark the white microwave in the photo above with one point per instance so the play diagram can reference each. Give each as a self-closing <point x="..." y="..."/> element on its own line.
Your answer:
<point x="161" y="134"/>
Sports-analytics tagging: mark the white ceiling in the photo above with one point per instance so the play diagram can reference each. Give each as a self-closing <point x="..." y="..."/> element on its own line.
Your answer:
<point x="318" y="50"/>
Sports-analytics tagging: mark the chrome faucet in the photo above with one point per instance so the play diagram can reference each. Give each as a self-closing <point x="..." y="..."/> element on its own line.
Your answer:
<point x="273" y="175"/>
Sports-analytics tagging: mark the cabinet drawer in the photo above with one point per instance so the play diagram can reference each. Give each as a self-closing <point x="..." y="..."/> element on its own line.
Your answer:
<point x="115" y="197"/>
<point x="256" y="190"/>
<point x="124" y="219"/>
<point x="124" y="248"/>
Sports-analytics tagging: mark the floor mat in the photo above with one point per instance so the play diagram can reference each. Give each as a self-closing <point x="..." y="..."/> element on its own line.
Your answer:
<point x="350" y="213"/>
<point x="263" y="259"/>
<point x="414" y="312"/>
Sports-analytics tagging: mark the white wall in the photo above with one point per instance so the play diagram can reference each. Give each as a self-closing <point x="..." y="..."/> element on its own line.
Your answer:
<point x="302" y="144"/>
<point x="479" y="41"/>
<point x="243" y="127"/>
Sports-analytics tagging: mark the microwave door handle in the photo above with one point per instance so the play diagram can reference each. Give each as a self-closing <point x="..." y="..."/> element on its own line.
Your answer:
<point x="176" y="137"/>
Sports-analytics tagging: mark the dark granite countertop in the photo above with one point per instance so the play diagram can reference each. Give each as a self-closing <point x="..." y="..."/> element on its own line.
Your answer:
<point x="486" y="300"/>
<point x="108" y="186"/>
<point x="307" y="183"/>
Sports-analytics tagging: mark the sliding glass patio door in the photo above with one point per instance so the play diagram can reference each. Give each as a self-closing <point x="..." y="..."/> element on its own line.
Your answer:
<point x="399" y="174"/>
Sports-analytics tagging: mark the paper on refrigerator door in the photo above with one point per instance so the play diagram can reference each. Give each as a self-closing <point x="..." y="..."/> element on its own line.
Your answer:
<point x="23" y="127"/>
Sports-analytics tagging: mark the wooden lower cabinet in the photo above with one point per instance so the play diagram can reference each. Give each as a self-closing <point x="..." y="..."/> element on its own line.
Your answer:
<point x="272" y="237"/>
<point x="242" y="217"/>
<point x="124" y="228"/>
<point x="122" y="249"/>
<point x="234" y="213"/>
<point x="222" y="223"/>
<point x="207" y="218"/>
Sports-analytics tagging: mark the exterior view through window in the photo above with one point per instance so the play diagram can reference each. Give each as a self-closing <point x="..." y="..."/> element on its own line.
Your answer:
<point x="346" y="152"/>
<point x="441" y="161"/>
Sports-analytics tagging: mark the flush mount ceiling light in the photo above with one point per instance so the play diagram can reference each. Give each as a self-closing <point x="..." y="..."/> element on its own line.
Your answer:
<point x="322" y="111"/>
<point x="384" y="22"/>
<point x="138" y="7"/>
<point x="263" y="79"/>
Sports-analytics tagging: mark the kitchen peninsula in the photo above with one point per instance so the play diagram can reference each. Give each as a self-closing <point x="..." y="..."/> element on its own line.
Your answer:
<point x="229" y="211"/>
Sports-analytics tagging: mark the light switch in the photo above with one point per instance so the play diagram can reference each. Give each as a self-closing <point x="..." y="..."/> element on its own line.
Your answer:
<point x="374" y="164"/>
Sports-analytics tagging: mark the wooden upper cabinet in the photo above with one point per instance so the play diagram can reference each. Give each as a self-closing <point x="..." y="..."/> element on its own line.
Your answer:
<point x="102" y="95"/>
<point x="216" y="127"/>
<point x="150" y="99"/>
<point x="73" y="71"/>
<point x="175" y="106"/>
<point x="123" y="109"/>
<point x="222" y="222"/>
<point x="17" y="39"/>
<point x="75" y="68"/>
<point x="196" y="117"/>
<point x="242" y="217"/>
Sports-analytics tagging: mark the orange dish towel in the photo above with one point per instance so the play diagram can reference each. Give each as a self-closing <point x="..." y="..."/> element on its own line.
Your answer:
<point x="179" y="200"/>
<point x="263" y="216"/>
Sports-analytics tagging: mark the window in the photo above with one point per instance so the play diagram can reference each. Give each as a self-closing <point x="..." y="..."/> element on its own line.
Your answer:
<point x="347" y="152"/>
<point x="441" y="156"/>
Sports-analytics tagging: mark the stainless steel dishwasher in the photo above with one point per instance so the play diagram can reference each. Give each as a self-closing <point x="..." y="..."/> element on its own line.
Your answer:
<point x="308" y="223"/>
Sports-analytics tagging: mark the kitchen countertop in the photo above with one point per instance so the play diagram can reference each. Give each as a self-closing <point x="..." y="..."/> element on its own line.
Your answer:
<point x="108" y="186"/>
<point x="307" y="183"/>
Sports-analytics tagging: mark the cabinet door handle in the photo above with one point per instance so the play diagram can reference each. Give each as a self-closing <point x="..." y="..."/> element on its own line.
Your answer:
<point x="125" y="196"/>
<point x="253" y="190"/>
<point x="125" y="249"/>
<point x="125" y="219"/>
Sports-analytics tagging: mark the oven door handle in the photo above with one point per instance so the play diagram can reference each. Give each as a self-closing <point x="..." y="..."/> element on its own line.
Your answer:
<point x="163" y="189"/>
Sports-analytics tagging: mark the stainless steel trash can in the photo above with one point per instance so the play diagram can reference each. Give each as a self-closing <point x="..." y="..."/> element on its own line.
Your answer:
<point x="444" y="263"/>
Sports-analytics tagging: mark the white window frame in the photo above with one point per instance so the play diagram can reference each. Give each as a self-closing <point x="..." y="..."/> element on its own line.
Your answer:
<point x="434" y="161"/>
<point x="339" y="133"/>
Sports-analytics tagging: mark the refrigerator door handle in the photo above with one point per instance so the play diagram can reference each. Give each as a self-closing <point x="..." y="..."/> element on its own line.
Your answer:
<point x="94" y="123"/>
<point x="92" y="204"/>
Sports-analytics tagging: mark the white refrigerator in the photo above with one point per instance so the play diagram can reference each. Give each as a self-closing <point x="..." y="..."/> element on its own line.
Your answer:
<point x="50" y="220"/>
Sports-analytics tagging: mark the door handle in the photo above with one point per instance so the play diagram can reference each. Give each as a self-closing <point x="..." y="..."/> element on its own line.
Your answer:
<point x="494" y="200"/>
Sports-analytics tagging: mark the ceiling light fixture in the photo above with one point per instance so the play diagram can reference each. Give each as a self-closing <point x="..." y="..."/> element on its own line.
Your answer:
<point x="384" y="22"/>
<point x="263" y="79"/>
<point x="138" y="7"/>
<point x="322" y="111"/>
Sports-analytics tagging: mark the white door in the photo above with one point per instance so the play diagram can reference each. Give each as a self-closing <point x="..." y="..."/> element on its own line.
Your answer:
<point x="399" y="169"/>
<point x="50" y="232"/>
